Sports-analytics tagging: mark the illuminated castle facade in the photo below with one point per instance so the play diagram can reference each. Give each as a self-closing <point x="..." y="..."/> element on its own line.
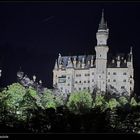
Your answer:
<point x="100" y="71"/>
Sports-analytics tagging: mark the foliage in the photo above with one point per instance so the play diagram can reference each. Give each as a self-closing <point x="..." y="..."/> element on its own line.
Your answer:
<point x="28" y="103"/>
<point x="100" y="102"/>
<point x="26" y="109"/>
<point x="123" y="100"/>
<point x="59" y="101"/>
<point x="80" y="102"/>
<point x="113" y="103"/>
<point x="48" y="100"/>
<point x="14" y="95"/>
<point x="133" y="102"/>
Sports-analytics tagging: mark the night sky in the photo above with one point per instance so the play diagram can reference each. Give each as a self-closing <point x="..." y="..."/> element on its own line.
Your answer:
<point x="32" y="34"/>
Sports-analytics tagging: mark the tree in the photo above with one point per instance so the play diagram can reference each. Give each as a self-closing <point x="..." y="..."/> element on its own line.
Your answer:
<point x="100" y="102"/>
<point x="133" y="102"/>
<point x="123" y="100"/>
<point x="14" y="95"/>
<point x="113" y="103"/>
<point x="28" y="104"/>
<point x="59" y="101"/>
<point x="80" y="102"/>
<point x="48" y="99"/>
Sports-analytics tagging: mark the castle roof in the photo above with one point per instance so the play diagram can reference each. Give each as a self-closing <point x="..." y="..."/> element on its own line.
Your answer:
<point x="87" y="58"/>
<point x="89" y="61"/>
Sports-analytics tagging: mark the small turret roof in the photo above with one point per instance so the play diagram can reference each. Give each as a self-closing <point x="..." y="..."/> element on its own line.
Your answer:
<point x="103" y="24"/>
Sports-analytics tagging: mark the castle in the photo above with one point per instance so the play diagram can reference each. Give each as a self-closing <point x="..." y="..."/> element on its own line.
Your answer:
<point x="100" y="71"/>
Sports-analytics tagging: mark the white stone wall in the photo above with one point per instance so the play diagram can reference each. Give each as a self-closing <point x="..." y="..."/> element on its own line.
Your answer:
<point x="119" y="78"/>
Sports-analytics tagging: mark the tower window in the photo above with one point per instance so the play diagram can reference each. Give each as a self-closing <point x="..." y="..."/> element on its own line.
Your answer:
<point x="68" y="84"/>
<point x="92" y="80"/>
<point x="130" y="82"/>
<point x="108" y="80"/>
<point x="75" y="81"/>
<point x="88" y="81"/>
<point x="100" y="55"/>
<point x="122" y="87"/>
<point x="92" y="73"/>
<point x="79" y="88"/>
<point x="114" y="80"/>
<point x="108" y="73"/>
<point x="114" y="73"/>
<point x="84" y="81"/>
<point x="79" y="81"/>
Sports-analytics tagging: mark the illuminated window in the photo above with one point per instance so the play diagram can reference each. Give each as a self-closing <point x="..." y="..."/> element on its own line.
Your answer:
<point x="62" y="79"/>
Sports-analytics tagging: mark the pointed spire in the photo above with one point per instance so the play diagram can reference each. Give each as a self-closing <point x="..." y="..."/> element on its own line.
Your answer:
<point x="56" y="65"/>
<point x="83" y="62"/>
<point x="91" y="64"/>
<point x="103" y="24"/>
<point x="131" y="49"/>
<point x="74" y="62"/>
<point x="130" y="55"/>
<point x="69" y="63"/>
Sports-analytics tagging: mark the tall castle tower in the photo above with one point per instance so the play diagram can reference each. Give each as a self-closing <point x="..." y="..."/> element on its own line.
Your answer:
<point x="101" y="54"/>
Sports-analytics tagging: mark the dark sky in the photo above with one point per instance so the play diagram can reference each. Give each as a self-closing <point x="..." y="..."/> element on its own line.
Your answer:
<point x="32" y="34"/>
